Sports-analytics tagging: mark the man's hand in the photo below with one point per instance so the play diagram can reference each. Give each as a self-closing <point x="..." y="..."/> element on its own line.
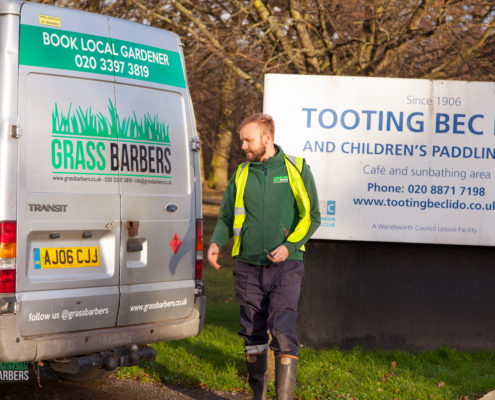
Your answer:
<point x="279" y="254"/>
<point x="213" y="253"/>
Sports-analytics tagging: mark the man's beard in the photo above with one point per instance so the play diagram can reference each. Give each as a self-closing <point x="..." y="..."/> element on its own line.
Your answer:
<point x="256" y="155"/>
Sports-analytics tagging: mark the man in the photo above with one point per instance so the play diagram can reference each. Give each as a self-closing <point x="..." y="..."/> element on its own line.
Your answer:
<point x="270" y="207"/>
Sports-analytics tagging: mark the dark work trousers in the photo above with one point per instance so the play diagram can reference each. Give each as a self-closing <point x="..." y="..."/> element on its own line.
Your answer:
<point x="268" y="297"/>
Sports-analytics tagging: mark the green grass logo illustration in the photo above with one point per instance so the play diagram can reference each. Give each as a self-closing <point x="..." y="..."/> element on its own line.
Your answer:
<point x="96" y="124"/>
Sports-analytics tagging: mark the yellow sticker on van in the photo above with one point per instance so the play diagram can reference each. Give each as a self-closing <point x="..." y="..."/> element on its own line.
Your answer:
<point x="66" y="257"/>
<point x="49" y="20"/>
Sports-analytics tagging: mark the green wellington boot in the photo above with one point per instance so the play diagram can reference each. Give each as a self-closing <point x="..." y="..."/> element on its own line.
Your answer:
<point x="257" y="374"/>
<point x="285" y="377"/>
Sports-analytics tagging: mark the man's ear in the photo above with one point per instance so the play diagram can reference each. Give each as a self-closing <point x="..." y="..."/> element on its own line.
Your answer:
<point x="266" y="138"/>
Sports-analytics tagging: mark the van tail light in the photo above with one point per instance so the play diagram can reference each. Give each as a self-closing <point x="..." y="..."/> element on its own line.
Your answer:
<point x="199" y="249"/>
<point x="7" y="256"/>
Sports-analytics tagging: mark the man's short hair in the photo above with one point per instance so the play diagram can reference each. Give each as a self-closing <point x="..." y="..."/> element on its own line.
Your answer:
<point x="263" y="120"/>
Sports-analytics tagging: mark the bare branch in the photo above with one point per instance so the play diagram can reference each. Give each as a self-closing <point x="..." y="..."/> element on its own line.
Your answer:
<point x="213" y="44"/>
<point x="303" y="35"/>
<point x="287" y="46"/>
<point x="439" y="71"/>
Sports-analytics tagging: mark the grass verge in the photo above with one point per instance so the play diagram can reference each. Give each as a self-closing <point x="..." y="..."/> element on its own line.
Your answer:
<point x="215" y="360"/>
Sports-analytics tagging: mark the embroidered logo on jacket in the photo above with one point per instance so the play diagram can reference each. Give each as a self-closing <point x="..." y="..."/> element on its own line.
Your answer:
<point x="280" y="179"/>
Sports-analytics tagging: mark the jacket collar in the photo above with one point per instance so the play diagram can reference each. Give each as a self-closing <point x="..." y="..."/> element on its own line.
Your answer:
<point x="274" y="160"/>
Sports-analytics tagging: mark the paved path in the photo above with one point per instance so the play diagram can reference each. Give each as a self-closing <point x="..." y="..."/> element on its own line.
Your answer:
<point x="489" y="396"/>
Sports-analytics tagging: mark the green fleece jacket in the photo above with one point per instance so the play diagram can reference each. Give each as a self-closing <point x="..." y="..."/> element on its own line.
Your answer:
<point x="271" y="211"/>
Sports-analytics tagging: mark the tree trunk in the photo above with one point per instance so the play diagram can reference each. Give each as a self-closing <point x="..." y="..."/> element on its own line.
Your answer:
<point x="218" y="176"/>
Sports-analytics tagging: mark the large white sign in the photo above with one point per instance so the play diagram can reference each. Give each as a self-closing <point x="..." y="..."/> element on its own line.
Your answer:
<point x="402" y="160"/>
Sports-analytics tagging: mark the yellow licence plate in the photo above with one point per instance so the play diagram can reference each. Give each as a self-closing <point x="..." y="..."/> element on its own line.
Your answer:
<point x="66" y="257"/>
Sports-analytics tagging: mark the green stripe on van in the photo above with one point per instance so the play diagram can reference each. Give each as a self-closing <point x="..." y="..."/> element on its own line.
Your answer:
<point x="55" y="48"/>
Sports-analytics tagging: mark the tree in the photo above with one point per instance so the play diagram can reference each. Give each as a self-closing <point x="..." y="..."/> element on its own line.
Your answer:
<point x="218" y="176"/>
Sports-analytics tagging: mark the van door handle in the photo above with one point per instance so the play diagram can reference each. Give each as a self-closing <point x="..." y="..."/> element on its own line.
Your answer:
<point x="134" y="245"/>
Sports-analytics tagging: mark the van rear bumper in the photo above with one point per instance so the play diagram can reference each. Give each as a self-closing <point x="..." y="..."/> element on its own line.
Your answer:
<point x="13" y="347"/>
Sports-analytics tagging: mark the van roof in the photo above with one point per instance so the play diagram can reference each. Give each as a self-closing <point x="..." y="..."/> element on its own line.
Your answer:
<point x="10" y="7"/>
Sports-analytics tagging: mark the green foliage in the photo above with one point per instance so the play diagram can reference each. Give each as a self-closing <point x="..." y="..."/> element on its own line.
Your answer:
<point x="88" y="123"/>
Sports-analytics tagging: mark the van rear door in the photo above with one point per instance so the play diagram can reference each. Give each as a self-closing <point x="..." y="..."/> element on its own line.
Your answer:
<point x="157" y="182"/>
<point x="68" y="222"/>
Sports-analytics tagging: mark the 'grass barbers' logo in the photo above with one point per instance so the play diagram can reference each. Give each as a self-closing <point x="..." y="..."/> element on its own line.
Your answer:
<point x="91" y="142"/>
<point x="14" y="372"/>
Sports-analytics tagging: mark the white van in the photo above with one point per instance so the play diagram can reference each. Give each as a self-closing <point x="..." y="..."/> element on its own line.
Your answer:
<point x="100" y="190"/>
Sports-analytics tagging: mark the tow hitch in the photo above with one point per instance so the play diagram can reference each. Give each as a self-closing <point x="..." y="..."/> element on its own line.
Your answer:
<point x="108" y="360"/>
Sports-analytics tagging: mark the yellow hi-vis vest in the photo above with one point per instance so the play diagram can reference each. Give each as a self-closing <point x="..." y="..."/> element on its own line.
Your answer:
<point x="294" y="167"/>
